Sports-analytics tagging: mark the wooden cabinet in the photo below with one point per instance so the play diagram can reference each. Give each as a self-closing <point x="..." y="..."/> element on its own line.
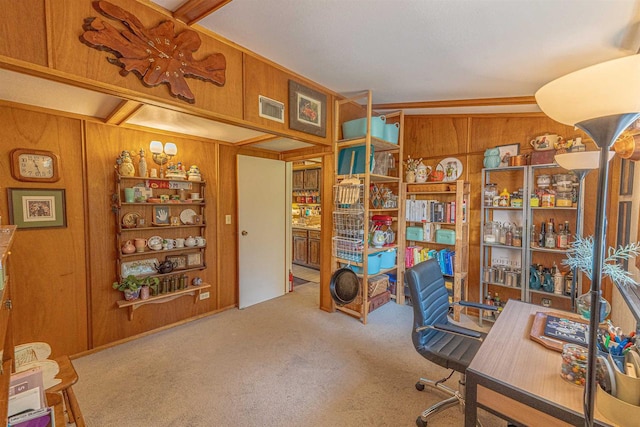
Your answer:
<point x="298" y="180"/>
<point x="311" y="179"/>
<point x="163" y="224"/>
<point x="7" y="233"/>
<point x="300" y="243"/>
<point x="313" y="252"/>
<point x="306" y="247"/>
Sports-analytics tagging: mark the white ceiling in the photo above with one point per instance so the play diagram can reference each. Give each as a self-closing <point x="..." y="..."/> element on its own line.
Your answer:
<point x="403" y="50"/>
<point x="429" y="50"/>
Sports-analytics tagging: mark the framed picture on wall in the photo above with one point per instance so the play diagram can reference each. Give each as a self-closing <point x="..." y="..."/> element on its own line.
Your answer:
<point x="161" y="215"/>
<point x="179" y="261"/>
<point x="506" y="151"/>
<point x="194" y="260"/>
<point x="307" y="110"/>
<point x="37" y="208"/>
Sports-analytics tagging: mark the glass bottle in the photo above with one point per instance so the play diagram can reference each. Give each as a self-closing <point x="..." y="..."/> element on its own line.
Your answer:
<point x="559" y="237"/>
<point x="517" y="236"/>
<point x="534" y="236"/>
<point x="568" y="233"/>
<point x="508" y="236"/>
<point x="550" y="237"/>
<point x="542" y="235"/>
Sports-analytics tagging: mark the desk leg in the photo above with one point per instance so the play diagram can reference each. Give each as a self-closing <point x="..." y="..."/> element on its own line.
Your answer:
<point x="470" y="401"/>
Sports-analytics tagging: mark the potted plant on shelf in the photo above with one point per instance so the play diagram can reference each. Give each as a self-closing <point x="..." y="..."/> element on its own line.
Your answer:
<point x="130" y="285"/>
<point x="580" y="256"/>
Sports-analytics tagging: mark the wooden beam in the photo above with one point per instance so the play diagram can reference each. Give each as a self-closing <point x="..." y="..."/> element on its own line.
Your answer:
<point x="123" y="112"/>
<point x="479" y="102"/>
<point x="305" y="153"/>
<point x="256" y="140"/>
<point x="194" y="10"/>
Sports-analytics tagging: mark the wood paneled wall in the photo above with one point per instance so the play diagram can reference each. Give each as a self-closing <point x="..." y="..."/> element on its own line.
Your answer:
<point x="49" y="266"/>
<point x="466" y="137"/>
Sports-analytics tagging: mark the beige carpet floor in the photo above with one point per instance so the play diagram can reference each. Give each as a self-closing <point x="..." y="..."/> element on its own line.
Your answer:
<point x="283" y="363"/>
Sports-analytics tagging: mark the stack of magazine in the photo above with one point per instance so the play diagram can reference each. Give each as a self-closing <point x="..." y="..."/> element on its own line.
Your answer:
<point x="27" y="404"/>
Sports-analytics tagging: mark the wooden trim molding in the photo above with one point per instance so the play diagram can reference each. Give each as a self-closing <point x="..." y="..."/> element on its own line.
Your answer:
<point x="479" y="102"/>
<point x="194" y="10"/>
<point x="123" y="112"/>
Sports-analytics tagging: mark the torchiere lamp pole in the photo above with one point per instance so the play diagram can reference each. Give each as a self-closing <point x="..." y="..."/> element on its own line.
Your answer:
<point x="602" y="100"/>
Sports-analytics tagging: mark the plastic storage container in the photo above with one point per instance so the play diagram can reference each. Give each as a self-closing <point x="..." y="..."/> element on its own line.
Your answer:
<point x="391" y="132"/>
<point x="358" y="128"/>
<point x="373" y="266"/>
<point x="388" y="258"/>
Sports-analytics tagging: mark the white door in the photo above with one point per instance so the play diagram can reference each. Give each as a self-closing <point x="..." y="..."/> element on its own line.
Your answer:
<point x="262" y="217"/>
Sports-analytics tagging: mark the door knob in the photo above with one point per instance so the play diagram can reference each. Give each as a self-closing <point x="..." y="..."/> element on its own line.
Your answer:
<point x="244" y="232"/>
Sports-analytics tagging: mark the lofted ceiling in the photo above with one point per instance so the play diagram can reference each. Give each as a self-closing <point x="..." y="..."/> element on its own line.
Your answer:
<point x="422" y="56"/>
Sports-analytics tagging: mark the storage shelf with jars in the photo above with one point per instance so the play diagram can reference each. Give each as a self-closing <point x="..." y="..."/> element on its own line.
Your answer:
<point x="160" y="229"/>
<point x="366" y="193"/>
<point x="555" y="210"/>
<point x="436" y="226"/>
<point x="503" y="227"/>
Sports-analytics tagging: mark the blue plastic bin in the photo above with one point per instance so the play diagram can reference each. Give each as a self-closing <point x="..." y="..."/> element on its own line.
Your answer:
<point x="358" y="128"/>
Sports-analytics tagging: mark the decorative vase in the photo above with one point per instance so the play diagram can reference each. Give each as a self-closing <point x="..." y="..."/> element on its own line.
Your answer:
<point x="131" y="295"/>
<point x="142" y="165"/>
<point x="144" y="292"/>
<point x="410" y="177"/>
<point x="583" y="303"/>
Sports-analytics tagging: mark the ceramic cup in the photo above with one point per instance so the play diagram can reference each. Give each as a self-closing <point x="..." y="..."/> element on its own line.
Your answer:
<point x="179" y="242"/>
<point x="194" y="195"/>
<point x="140" y="244"/>
<point x="129" y="195"/>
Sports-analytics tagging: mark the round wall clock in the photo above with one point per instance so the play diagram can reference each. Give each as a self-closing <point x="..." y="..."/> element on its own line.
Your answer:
<point x="34" y="165"/>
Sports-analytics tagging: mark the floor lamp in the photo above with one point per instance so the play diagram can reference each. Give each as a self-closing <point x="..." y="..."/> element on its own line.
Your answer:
<point x="601" y="100"/>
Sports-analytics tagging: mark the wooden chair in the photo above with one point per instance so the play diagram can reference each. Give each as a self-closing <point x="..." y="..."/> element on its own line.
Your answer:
<point x="69" y="377"/>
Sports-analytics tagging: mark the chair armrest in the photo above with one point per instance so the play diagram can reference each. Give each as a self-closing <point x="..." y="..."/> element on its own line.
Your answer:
<point x="477" y="305"/>
<point x="452" y="329"/>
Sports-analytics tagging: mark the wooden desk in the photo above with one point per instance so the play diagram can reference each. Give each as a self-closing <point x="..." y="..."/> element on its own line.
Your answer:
<point x="518" y="378"/>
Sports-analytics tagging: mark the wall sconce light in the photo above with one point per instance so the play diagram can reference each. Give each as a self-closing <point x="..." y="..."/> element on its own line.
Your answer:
<point x="161" y="155"/>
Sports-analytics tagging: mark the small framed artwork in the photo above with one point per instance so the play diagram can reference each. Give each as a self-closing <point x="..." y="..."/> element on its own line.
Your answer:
<point x="37" y="208"/>
<point x="161" y="215"/>
<point x="307" y="110"/>
<point x="179" y="261"/>
<point x="506" y="151"/>
<point x="194" y="260"/>
<point x="175" y="221"/>
<point x="197" y="219"/>
<point x="141" y="222"/>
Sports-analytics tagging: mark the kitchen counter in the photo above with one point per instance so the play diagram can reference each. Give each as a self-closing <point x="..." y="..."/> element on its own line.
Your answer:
<point x="306" y="227"/>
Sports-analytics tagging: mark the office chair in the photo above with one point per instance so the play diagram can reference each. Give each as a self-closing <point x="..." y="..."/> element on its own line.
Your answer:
<point x="437" y="340"/>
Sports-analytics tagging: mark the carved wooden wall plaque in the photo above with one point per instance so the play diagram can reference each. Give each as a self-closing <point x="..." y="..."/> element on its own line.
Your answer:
<point x="157" y="55"/>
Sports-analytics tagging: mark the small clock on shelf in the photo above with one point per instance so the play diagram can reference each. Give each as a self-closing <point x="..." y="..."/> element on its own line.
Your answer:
<point x="34" y="165"/>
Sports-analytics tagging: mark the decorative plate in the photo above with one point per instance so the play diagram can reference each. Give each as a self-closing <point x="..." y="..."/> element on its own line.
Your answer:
<point x="186" y="216"/>
<point x="129" y="220"/>
<point x="140" y="267"/>
<point x="155" y="242"/>
<point x="452" y="169"/>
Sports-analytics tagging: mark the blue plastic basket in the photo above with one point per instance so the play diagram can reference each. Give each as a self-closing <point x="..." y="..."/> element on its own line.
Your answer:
<point x="358" y="128"/>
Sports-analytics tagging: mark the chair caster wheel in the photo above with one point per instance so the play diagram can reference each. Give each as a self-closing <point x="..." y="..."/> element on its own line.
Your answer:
<point x="421" y="423"/>
<point x="419" y="386"/>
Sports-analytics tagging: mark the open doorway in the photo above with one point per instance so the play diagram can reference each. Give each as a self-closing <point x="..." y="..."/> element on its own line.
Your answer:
<point x="306" y="215"/>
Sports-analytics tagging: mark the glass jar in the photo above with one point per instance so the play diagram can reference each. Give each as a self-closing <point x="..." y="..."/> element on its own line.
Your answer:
<point x="564" y="199"/>
<point x="490" y="191"/>
<point x="574" y="364"/>
<point x="517" y="236"/>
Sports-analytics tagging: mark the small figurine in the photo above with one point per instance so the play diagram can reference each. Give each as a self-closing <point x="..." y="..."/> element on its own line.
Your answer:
<point x="125" y="164"/>
<point x="197" y="281"/>
<point x="142" y="165"/>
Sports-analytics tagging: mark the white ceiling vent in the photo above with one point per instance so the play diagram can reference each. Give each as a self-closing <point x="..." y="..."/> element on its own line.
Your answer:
<point x="271" y="109"/>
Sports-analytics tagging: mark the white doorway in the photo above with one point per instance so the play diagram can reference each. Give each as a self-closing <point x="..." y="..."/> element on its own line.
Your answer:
<point x="263" y="218"/>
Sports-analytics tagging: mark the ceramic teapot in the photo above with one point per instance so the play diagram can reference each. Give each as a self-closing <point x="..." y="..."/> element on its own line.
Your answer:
<point x="165" y="267"/>
<point x="379" y="238"/>
<point x="190" y="242"/>
<point x="422" y="172"/>
<point x="546" y="142"/>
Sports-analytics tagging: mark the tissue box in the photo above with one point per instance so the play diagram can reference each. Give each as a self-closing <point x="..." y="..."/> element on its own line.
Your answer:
<point x="446" y="236"/>
<point x="415" y="233"/>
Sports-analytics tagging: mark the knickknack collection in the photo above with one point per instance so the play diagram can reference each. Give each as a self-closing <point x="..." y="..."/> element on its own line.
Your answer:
<point x="160" y="228"/>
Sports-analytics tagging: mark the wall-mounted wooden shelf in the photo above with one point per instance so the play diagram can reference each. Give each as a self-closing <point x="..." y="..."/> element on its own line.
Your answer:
<point x="162" y="298"/>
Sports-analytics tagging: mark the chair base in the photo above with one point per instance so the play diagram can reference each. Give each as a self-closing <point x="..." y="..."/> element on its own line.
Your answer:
<point x="457" y="397"/>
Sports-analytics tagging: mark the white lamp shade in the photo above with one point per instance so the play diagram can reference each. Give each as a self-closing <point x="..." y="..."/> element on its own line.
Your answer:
<point x="155" y="147"/>
<point x="170" y="149"/>
<point x="604" y="89"/>
<point x="581" y="160"/>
